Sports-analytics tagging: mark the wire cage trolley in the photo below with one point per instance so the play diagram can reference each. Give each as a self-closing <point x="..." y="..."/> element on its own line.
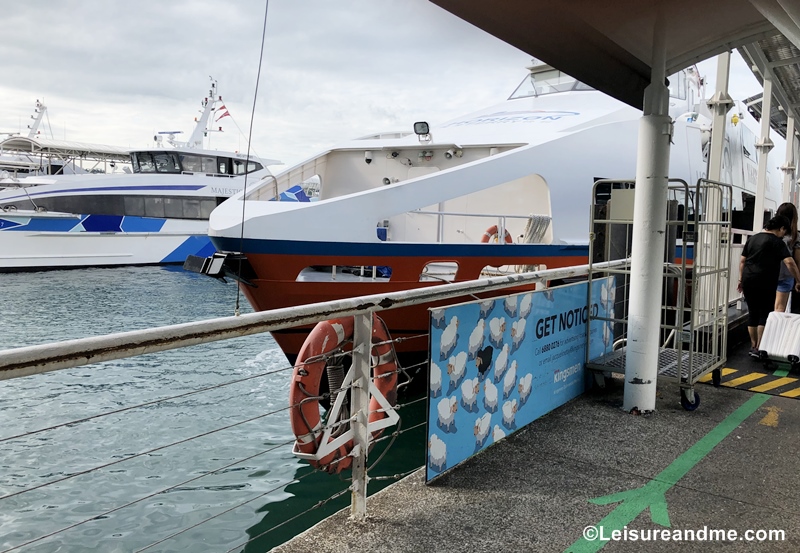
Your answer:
<point x="696" y="273"/>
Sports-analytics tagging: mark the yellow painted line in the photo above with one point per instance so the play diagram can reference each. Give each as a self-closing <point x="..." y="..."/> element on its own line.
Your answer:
<point x="743" y="379"/>
<point x="791" y="393"/>
<point x="777" y="383"/>
<point x="772" y="417"/>
<point x="725" y="372"/>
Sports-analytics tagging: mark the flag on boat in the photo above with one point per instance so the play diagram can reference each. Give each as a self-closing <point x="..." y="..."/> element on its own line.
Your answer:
<point x="225" y="112"/>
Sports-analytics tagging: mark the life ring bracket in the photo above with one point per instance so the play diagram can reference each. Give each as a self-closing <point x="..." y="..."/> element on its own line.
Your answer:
<point x="329" y="444"/>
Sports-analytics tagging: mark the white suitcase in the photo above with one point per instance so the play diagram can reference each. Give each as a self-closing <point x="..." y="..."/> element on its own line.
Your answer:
<point x="781" y="338"/>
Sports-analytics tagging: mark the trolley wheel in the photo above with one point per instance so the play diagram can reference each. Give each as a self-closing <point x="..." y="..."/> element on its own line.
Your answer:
<point x="690" y="400"/>
<point x="716" y="377"/>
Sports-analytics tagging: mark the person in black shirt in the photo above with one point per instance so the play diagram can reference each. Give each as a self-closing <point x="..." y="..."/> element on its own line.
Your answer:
<point x="759" y="268"/>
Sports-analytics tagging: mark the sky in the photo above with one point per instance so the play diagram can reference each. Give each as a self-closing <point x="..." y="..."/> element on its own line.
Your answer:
<point x="115" y="73"/>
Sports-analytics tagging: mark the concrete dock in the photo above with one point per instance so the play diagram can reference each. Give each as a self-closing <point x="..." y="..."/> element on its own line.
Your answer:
<point x="716" y="479"/>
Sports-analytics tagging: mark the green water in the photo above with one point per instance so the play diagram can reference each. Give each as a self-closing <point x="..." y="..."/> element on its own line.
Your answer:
<point x="185" y="502"/>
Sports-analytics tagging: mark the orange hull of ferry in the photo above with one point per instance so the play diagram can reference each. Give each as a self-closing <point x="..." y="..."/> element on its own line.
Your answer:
<point x="277" y="287"/>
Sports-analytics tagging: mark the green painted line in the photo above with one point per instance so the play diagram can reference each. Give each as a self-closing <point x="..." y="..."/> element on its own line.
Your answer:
<point x="652" y="495"/>
<point x="780" y="373"/>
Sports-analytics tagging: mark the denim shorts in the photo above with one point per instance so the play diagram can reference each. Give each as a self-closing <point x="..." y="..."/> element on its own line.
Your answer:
<point x="786" y="284"/>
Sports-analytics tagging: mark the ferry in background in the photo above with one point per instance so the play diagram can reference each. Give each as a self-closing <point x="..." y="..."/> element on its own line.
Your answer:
<point x="34" y="154"/>
<point x="504" y="189"/>
<point x="153" y="211"/>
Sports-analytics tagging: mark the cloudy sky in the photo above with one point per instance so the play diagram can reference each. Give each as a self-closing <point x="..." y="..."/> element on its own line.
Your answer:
<point x="114" y="72"/>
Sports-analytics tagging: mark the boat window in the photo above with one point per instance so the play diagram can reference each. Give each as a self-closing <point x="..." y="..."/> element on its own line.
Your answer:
<point x="199" y="164"/>
<point x="191" y="163"/>
<point x="749" y="144"/>
<point x="154" y="207"/>
<point x="677" y="85"/>
<point x="191" y="209"/>
<point x="143" y="162"/>
<point x="173" y="208"/>
<point x="209" y="164"/>
<point x="206" y="207"/>
<point x="344" y="274"/>
<point x="547" y="82"/>
<point x="134" y="206"/>
<point x="155" y="162"/>
<point x="166" y="162"/>
<point x="128" y="206"/>
<point x="238" y="166"/>
<point x="441" y="271"/>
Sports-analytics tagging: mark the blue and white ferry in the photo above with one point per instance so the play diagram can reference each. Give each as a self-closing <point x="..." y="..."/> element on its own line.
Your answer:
<point x="154" y="211"/>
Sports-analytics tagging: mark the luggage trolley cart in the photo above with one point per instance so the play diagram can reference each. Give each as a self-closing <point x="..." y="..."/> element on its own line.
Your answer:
<point x="694" y="306"/>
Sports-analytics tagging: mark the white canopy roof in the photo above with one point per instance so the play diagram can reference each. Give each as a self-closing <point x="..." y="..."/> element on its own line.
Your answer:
<point x="64" y="149"/>
<point x="608" y="45"/>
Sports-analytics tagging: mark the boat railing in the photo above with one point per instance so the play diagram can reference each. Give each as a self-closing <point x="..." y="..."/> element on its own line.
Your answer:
<point x="541" y="221"/>
<point x="220" y="175"/>
<point x="67" y="480"/>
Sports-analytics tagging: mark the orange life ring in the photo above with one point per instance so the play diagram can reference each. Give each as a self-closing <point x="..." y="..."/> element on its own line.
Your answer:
<point x="492" y="232"/>
<point x="305" y="387"/>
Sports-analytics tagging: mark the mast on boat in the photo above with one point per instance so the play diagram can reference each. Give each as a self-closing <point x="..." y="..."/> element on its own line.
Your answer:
<point x="201" y="129"/>
<point x="39" y="111"/>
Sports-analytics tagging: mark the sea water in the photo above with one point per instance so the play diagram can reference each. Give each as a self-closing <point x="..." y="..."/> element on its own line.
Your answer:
<point x="210" y="471"/>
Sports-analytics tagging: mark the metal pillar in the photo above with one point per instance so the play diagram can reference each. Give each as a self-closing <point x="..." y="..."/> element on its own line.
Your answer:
<point x="649" y="227"/>
<point x="707" y="244"/>
<point x="362" y="351"/>
<point x="764" y="145"/>
<point x="720" y="104"/>
<point x="791" y="163"/>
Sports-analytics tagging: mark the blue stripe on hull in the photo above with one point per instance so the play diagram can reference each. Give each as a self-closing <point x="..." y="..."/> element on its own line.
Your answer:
<point x="102" y="223"/>
<point x="194" y="245"/>
<point x="5" y="224"/>
<point x="292" y="247"/>
<point x="87" y="223"/>
<point x="142" y="224"/>
<point x="45" y="225"/>
<point x="689" y="251"/>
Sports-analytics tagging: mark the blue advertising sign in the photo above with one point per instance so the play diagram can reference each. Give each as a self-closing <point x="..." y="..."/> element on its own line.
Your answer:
<point x="499" y="364"/>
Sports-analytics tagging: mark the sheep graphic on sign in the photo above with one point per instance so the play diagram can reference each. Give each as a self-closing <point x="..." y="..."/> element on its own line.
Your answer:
<point x="493" y="382"/>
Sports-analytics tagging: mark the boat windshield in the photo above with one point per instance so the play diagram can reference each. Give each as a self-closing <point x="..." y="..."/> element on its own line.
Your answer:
<point x="172" y="162"/>
<point x="547" y="82"/>
<point x="155" y="162"/>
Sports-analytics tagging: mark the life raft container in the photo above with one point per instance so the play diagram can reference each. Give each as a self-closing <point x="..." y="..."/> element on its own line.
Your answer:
<point x="493" y="232"/>
<point x="304" y="394"/>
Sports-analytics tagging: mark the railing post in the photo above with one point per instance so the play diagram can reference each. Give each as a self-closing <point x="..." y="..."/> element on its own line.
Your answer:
<point x="362" y="351"/>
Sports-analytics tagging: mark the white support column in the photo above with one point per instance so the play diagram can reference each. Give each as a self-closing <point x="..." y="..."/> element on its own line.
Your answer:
<point x="362" y="352"/>
<point x="707" y="290"/>
<point x="764" y="145"/>
<point x="719" y="105"/>
<point x="796" y="183"/>
<point x="791" y="162"/>
<point x="649" y="227"/>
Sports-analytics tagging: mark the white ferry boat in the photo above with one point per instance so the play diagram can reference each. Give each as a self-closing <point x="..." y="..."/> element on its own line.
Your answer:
<point x="507" y="188"/>
<point x="153" y="212"/>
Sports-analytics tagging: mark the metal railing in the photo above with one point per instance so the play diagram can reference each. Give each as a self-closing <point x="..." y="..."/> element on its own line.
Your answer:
<point x="538" y="224"/>
<point x="32" y="360"/>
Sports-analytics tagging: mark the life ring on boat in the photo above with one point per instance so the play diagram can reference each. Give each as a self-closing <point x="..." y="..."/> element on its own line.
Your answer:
<point x="492" y="232"/>
<point x="304" y="394"/>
